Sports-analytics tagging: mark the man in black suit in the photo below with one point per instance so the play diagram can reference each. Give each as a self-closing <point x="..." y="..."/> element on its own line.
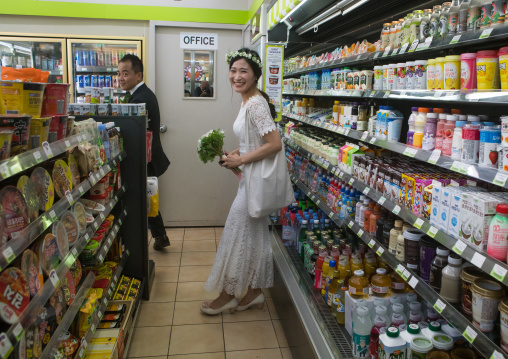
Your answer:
<point x="130" y="78"/>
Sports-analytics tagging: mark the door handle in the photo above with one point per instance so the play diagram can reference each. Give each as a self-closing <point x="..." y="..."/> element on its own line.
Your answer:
<point x="163" y="128"/>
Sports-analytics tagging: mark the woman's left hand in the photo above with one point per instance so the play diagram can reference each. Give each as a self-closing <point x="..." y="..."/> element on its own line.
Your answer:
<point x="233" y="161"/>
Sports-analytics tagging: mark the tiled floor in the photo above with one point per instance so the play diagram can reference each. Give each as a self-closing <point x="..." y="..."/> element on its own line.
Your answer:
<point x="171" y="326"/>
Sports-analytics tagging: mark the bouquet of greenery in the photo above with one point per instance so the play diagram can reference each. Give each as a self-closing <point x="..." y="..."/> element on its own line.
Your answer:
<point x="210" y="146"/>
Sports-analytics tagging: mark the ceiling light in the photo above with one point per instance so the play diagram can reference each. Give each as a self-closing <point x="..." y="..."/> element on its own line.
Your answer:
<point x="293" y="10"/>
<point x="309" y="25"/>
<point x="354" y="6"/>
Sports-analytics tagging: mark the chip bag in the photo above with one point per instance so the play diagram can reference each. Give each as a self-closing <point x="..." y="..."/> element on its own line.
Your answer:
<point x="152" y="192"/>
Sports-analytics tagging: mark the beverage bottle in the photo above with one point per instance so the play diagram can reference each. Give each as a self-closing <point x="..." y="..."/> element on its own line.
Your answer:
<point x="393" y="34"/>
<point x="370" y="264"/>
<point x="358" y="285"/>
<point x="462" y="17"/>
<point x="316" y="230"/>
<point x="453" y="17"/>
<point x="385" y="36"/>
<point x="485" y="14"/>
<point x="448" y="132"/>
<point x="407" y="29"/>
<point x="358" y="208"/>
<point x="429" y="132"/>
<point x="329" y="279"/>
<point x="339" y="300"/>
<point x="434" y="20"/>
<point x="373" y="220"/>
<point x="332" y="290"/>
<point x="387" y="227"/>
<point x="438" y="263"/>
<point x="313" y="259"/>
<point x="398" y="316"/>
<point x="319" y="267"/>
<point x="497" y="245"/>
<point x="443" y="19"/>
<point x="411" y="124"/>
<point x="425" y="25"/>
<point x="399" y="34"/>
<point x="343" y="267"/>
<point x="302" y="238"/>
<point x="372" y="121"/>
<point x="368" y="213"/>
<point x="394" y="233"/>
<point x="361" y="217"/>
<point x="420" y="122"/>
<point x="439" y="130"/>
<point x="473" y="15"/>
<point x="415" y="312"/>
<point x="362" y="326"/>
<point x="288" y="231"/>
<point x="415" y="25"/>
<point x="328" y="227"/>
<point x="450" y="282"/>
<point x="324" y="273"/>
<point x="433" y="329"/>
<point x="379" y="322"/>
<point x="457" y="140"/>
<point x="335" y="254"/>
<point x="343" y="208"/>
<point x="381" y="283"/>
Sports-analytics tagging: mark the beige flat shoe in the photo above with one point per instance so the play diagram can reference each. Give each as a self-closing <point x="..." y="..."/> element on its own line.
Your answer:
<point x="231" y="305"/>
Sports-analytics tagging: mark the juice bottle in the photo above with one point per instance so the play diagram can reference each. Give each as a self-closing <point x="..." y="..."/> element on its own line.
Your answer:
<point x="411" y="124"/>
<point x="339" y="301"/>
<point x="434" y="20"/>
<point x="379" y="322"/>
<point x="368" y="212"/>
<point x="448" y="131"/>
<point x="398" y="316"/>
<point x="394" y="233"/>
<point x="420" y="122"/>
<point x="313" y="259"/>
<point x="331" y="279"/>
<point x="343" y="267"/>
<point x="335" y="254"/>
<point x="324" y="272"/>
<point x="381" y="283"/>
<point x="370" y="266"/>
<point x="319" y="267"/>
<point x="497" y="246"/>
<point x="357" y="264"/>
<point x="399" y="285"/>
<point x="317" y="230"/>
<point x="336" y="112"/>
<point x="328" y="278"/>
<point x="373" y="220"/>
<point x="443" y="20"/>
<point x="439" y="130"/>
<point x="362" y="325"/>
<point x="359" y="285"/>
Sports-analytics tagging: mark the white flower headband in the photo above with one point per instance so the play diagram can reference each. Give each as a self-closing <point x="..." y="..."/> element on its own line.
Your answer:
<point x="231" y="55"/>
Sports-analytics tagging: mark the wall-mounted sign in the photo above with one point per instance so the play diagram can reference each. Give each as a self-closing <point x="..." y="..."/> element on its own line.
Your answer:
<point x="199" y="41"/>
<point x="274" y="65"/>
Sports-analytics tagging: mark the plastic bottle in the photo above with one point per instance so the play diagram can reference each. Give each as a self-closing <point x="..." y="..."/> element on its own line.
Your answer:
<point x="362" y="325"/>
<point x="439" y="131"/>
<point x="433" y="329"/>
<point x="288" y="232"/>
<point x="399" y="285"/>
<point x="373" y="220"/>
<point x="411" y="123"/>
<point x="429" y="132"/>
<point x="363" y="209"/>
<point x="400" y="255"/>
<point x="358" y="285"/>
<point x="415" y="25"/>
<point x="394" y="233"/>
<point x="370" y="266"/>
<point x="412" y="332"/>
<point x="420" y="122"/>
<point x="457" y="140"/>
<point x="393" y="125"/>
<point x="398" y="316"/>
<point x="453" y="18"/>
<point x="438" y="263"/>
<point x="380" y="283"/>
<point x="434" y="20"/>
<point x="415" y="312"/>
<point x="372" y="121"/>
<point x="448" y="132"/>
<point x="462" y="16"/>
<point x="473" y="15"/>
<point x="392" y="345"/>
<point x="329" y="279"/>
<point x="443" y="19"/>
<point x="379" y="322"/>
<point x="381" y="124"/>
<point x="319" y="278"/>
<point x="407" y="29"/>
<point x="336" y="112"/>
<point x="339" y="300"/>
<point x="450" y="282"/>
<point x="497" y="245"/>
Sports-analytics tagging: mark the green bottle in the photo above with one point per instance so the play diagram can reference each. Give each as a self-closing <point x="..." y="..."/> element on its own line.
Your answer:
<point x="302" y="238"/>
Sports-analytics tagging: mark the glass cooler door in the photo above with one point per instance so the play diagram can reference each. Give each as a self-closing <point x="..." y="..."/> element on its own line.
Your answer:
<point x="94" y="64"/>
<point x="45" y="54"/>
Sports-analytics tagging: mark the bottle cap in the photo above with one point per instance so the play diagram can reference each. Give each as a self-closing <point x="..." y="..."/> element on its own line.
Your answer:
<point x="397" y="308"/>
<point x="502" y="208"/>
<point x="441" y="251"/>
<point x="381" y="271"/>
<point x="332" y="263"/>
<point x="359" y="273"/>
<point x="363" y="311"/>
<point x="381" y="310"/>
<point x="452" y="259"/>
<point x="435" y="326"/>
<point x="392" y="332"/>
<point x="413" y="329"/>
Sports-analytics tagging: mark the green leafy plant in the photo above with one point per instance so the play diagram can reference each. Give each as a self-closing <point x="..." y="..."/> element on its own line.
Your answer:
<point x="210" y="146"/>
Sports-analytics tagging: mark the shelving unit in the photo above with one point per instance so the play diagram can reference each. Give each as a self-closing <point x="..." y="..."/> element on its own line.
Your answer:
<point x="96" y="69"/>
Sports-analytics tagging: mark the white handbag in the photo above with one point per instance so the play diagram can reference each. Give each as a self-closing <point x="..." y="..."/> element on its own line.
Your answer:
<point x="267" y="181"/>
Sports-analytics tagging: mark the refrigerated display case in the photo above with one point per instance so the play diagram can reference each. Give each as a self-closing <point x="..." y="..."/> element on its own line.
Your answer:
<point x="93" y="63"/>
<point x="45" y="54"/>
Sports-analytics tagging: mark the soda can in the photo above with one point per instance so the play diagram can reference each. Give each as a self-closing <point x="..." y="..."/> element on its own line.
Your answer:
<point x="80" y="82"/>
<point x="470" y="143"/>
<point x="101" y="81"/>
<point x="107" y="59"/>
<point x="86" y="57"/>
<point x="79" y="58"/>
<point x="107" y="81"/>
<point x="100" y="58"/>
<point x="86" y="80"/>
<point x="93" y="58"/>
<point x="95" y="81"/>
<point x="490" y="138"/>
<point x="115" y="81"/>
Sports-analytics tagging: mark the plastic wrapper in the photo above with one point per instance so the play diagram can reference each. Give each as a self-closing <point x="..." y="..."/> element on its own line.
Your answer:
<point x="21" y="127"/>
<point x="14" y="294"/>
<point x="48" y="253"/>
<point x="76" y="271"/>
<point x="33" y="343"/>
<point x="73" y="166"/>
<point x="69" y="345"/>
<point x="27" y="189"/>
<point x="68" y="288"/>
<point x="62" y="178"/>
<point x="79" y="211"/>
<point x="86" y="313"/>
<point x="71" y="226"/>
<point x="13" y="213"/>
<point x="32" y="271"/>
<point x="62" y="239"/>
<point x="44" y="188"/>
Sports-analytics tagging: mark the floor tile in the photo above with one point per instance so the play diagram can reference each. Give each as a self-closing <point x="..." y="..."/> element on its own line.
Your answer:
<point x="248" y="315"/>
<point x="199" y="234"/>
<point x="255" y="354"/>
<point x="286" y="353"/>
<point x="220" y="355"/>
<point x="156" y="337"/>
<point x="217" y="242"/>
<point x="281" y="337"/>
<point x="194" y="273"/>
<point x="271" y="308"/>
<point x="190" y="313"/>
<point x="155" y="314"/>
<point x="163" y="292"/>
<point x="203" y="338"/>
<point x="175" y="247"/>
<point x="175" y="235"/>
<point x="165" y="259"/>
<point x="199" y="246"/>
<point x="218" y="232"/>
<point x="249" y="335"/>
<point x="175" y="229"/>
<point x="188" y="291"/>
<point x="166" y="274"/>
<point x="266" y="293"/>
<point x="198" y="258"/>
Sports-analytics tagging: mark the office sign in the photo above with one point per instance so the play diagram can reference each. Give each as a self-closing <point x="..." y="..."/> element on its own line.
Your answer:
<point x="199" y="41"/>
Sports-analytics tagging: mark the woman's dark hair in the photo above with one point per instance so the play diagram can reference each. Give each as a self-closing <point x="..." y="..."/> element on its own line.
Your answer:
<point x="258" y="72"/>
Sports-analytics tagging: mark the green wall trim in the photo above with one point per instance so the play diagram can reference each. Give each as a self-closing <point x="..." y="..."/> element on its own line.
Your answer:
<point x="254" y="8"/>
<point x="125" y="12"/>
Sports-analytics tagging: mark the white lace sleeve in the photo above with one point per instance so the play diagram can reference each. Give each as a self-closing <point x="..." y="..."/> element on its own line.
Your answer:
<point x="259" y="112"/>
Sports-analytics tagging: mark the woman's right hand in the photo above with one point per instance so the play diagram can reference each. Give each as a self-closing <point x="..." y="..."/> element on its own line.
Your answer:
<point x="235" y="152"/>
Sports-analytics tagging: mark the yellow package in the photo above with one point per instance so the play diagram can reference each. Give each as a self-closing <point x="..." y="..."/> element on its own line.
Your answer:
<point x="152" y="191"/>
<point x="86" y="313"/>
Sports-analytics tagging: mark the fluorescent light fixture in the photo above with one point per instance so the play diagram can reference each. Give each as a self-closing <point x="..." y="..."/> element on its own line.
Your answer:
<point x="354" y="6"/>
<point x="332" y="16"/>
<point x="6" y="44"/>
<point x="22" y="49"/>
<point x="309" y="25"/>
<point x="293" y="10"/>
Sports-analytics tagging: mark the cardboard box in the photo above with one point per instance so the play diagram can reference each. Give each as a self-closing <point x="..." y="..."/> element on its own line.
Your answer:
<point x="436" y="203"/>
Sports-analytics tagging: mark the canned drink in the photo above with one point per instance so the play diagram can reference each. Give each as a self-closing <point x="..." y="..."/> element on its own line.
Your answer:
<point x="80" y="82"/>
<point x="504" y="131"/>
<point x="107" y="81"/>
<point x="86" y="57"/>
<point x="107" y="58"/>
<point x="86" y="80"/>
<point x="101" y="81"/>
<point x="470" y="143"/>
<point x="100" y="58"/>
<point x="490" y="139"/>
<point x="93" y="58"/>
<point x="79" y="58"/>
<point x="95" y="81"/>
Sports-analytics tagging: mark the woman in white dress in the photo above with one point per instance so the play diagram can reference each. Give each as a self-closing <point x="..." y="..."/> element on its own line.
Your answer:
<point x="244" y="257"/>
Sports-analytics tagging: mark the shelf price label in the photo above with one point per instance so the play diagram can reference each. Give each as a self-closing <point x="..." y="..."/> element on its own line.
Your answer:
<point x="403" y="48"/>
<point x="53" y="277"/>
<point x="81" y="190"/>
<point x="486" y="33"/>
<point x="434" y="157"/>
<point x="366" y="190"/>
<point x="432" y="231"/>
<point x="439" y="306"/>
<point x="365" y="135"/>
<point x="459" y="247"/>
<point x="18" y="331"/>
<point x="5" y="345"/>
<point x="380" y="251"/>
<point x="360" y="233"/>
<point x="419" y="223"/>
<point x="38" y="157"/>
<point x="372" y="94"/>
<point x="101" y="258"/>
<point x="69" y="197"/>
<point x="372" y="140"/>
<point x="387" y="51"/>
<point x="102" y="216"/>
<point x="387" y="94"/>
<point x="341" y="174"/>
<point x="410" y="152"/>
<point x="470" y="334"/>
<point x="4" y="170"/>
<point x="400" y="269"/>
<point x="496" y="355"/>
<point x="381" y="200"/>
<point x="74" y="252"/>
<point x="351" y="180"/>
<point x="396" y="210"/>
<point x="498" y="272"/>
<point x="47" y="149"/>
<point x="9" y="255"/>
<point x="478" y="259"/>
<point x="371" y="243"/>
<point x="52" y="215"/>
<point x="413" y="282"/>
<point x="350" y="224"/>
<point x="376" y="55"/>
<point x="455" y="39"/>
<point x="414" y="45"/>
<point x="425" y="45"/>
<point x="68" y="145"/>
<point x="460" y="167"/>
<point x="405" y="275"/>
<point x="500" y="179"/>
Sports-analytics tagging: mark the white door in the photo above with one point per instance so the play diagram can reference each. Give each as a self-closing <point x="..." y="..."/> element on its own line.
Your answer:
<point x="193" y="193"/>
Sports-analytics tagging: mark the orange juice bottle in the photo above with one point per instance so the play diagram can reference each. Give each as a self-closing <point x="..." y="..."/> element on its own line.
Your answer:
<point x="343" y="266"/>
<point x="336" y="112"/>
<point x="359" y="285"/>
<point x="370" y="265"/>
<point x="381" y="283"/>
<point x="368" y="212"/>
<point x="357" y="264"/>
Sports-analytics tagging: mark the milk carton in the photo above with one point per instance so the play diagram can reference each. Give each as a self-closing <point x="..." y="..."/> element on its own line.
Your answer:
<point x="455" y="208"/>
<point x="436" y="202"/>
<point x="444" y="208"/>
<point x="391" y="345"/>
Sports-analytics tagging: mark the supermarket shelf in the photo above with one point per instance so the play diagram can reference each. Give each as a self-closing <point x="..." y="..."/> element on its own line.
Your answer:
<point x="82" y="91"/>
<point x="53" y="344"/>
<point x="22" y="162"/>
<point x="100" y="69"/>
<point x="490" y="175"/>
<point x="491" y="266"/>
<point x="458" y="96"/>
<point x="107" y="294"/>
<point x="484" y="345"/>
<point x="408" y="51"/>
<point x="105" y="169"/>
<point x="55" y="72"/>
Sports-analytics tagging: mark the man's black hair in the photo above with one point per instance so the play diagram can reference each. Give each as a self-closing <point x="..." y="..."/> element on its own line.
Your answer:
<point x="137" y="64"/>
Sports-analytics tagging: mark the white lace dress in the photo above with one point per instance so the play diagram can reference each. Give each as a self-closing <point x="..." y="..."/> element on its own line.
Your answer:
<point x="244" y="256"/>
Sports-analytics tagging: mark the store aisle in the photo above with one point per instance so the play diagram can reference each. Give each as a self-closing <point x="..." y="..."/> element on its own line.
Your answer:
<point x="171" y="326"/>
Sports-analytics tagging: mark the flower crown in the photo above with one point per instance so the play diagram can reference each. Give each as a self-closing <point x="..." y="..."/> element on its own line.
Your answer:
<point x="231" y="55"/>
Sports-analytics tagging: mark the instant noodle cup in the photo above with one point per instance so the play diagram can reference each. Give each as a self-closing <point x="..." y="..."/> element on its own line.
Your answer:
<point x="21" y="98"/>
<point x="39" y="131"/>
<point x="5" y="143"/>
<point x="439" y="73"/>
<point x="76" y="271"/>
<point x="54" y="101"/>
<point x="90" y="251"/>
<point x="60" y="232"/>
<point x="33" y="343"/>
<point x="468" y="71"/>
<point x="467" y="277"/>
<point x="486" y="297"/>
<point x="44" y="188"/>
<point x="452" y="72"/>
<point x="73" y="166"/>
<point x="14" y="215"/>
<point x="69" y="344"/>
<point x="27" y="189"/>
<point x="71" y="226"/>
<point x="21" y="127"/>
<point x="48" y="253"/>
<point x="487" y="70"/>
<point x="32" y="271"/>
<point x="62" y="178"/>
<point x="503" y="70"/>
<point x="79" y="211"/>
<point x="14" y="294"/>
<point x="68" y="288"/>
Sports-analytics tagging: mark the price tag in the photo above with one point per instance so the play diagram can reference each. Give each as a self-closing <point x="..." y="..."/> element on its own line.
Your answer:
<point x="102" y="216"/>
<point x="387" y="93"/>
<point x="371" y="243"/>
<point x="432" y="231"/>
<point x="110" y="291"/>
<point x="346" y="131"/>
<point x="425" y="45"/>
<point x="455" y="39"/>
<point x="74" y="252"/>
<point x="460" y="167"/>
<point x="381" y="201"/>
<point x="500" y="179"/>
<point x="400" y="269"/>
<point x="473" y="99"/>
<point x="350" y="224"/>
<point x="498" y="272"/>
<point x="18" y="331"/>
<point x="439" y="306"/>
<point x="387" y="51"/>
<point x="4" y="170"/>
<point x="116" y="198"/>
<point x="101" y="258"/>
<point x="110" y="241"/>
<point x="5" y="345"/>
<point x="52" y="214"/>
<point x="106" y="301"/>
<point x="78" y="138"/>
<point x="54" y="278"/>
<point x="437" y="94"/>
<point x="496" y="355"/>
<point x="68" y="195"/>
<point x="101" y="170"/>
<point x="434" y="157"/>
<point x="95" y="225"/>
<point x="92" y="328"/>
<point x="413" y="282"/>
<point x="68" y="145"/>
<point x="419" y="223"/>
<point x="360" y="233"/>
<point x="318" y="202"/>
<point x="478" y="259"/>
<point x="373" y="140"/>
<point x="405" y="275"/>
<point x="114" y="162"/>
<point x="351" y="181"/>
<point x="341" y="174"/>
<point x="330" y="215"/>
<point x="87" y="237"/>
<point x="38" y="157"/>
<point x="486" y="33"/>
<point x="47" y="149"/>
<point x="9" y="254"/>
<point x="376" y="55"/>
<point x="115" y="278"/>
<point x="413" y="47"/>
<point x="380" y="251"/>
<point x="116" y="227"/>
<point x="365" y="135"/>
<point x="81" y="190"/>
<point x="459" y="247"/>
<point x="395" y="52"/>
<point x="403" y="48"/>
<point x="366" y="190"/>
<point x="372" y="93"/>
<point x="470" y="334"/>
<point x="410" y="152"/>
<point x="99" y="314"/>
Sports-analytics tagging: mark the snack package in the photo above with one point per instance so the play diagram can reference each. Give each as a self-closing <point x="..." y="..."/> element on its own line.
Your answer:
<point x="86" y="313"/>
